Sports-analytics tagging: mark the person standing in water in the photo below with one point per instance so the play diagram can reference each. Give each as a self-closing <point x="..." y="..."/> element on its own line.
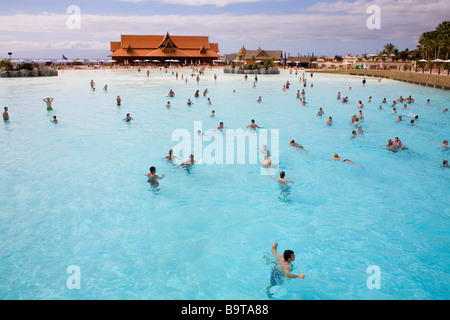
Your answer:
<point x="153" y="177"/>
<point x="49" y="101"/>
<point x="5" y="114"/>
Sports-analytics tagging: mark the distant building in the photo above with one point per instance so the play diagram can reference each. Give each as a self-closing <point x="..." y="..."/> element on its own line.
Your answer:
<point x="169" y="49"/>
<point x="259" y="56"/>
<point x="301" y="62"/>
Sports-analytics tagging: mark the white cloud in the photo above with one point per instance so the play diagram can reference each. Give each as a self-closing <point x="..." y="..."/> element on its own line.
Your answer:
<point x="218" y="3"/>
<point x="326" y="22"/>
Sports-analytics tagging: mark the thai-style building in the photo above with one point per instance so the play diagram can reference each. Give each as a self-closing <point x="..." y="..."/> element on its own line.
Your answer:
<point x="259" y="56"/>
<point x="164" y="49"/>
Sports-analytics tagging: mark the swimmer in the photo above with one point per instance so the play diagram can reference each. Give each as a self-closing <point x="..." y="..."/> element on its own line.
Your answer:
<point x="445" y="164"/>
<point x="253" y="125"/>
<point x="298" y="94"/>
<point x="353" y="134"/>
<point x="412" y="122"/>
<point x="370" y="99"/>
<point x="292" y="143"/>
<point x="400" y="99"/>
<point x="445" y="110"/>
<point x="168" y="104"/>
<point x="54" y="120"/>
<point x="171" y="93"/>
<point x="390" y="145"/>
<point x="170" y="156"/>
<point x="49" y="101"/>
<point x="399" y="118"/>
<point x="394" y="111"/>
<point x="266" y="162"/>
<point x="361" y="131"/>
<point x="393" y="103"/>
<point x="281" y="179"/>
<point x="259" y="99"/>
<point x="361" y="116"/>
<point x="399" y="144"/>
<point x="5" y="114"/>
<point x="384" y="100"/>
<point x="338" y="96"/>
<point x="360" y="104"/>
<point x="428" y="101"/>
<point x="329" y="121"/>
<point x="119" y="101"/>
<point x="410" y="100"/>
<point x="320" y="112"/>
<point x="188" y="162"/>
<point x="380" y="107"/>
<point x="213" y="113"/>
<point x="357" y="122"/>
<point x="196" y="94"/>
<point x="127" y="118"/>
<point x="92" y="84"/>
<point x="220" y="127"/>
<point x="404" y="106"/>
<point x="153" y="177"/>
<point x="208" y="101"/>
<point x="445" y="144"/>
<point x="105" y="88"/>
<point x="282" y="267"/>
<point x="345" y="100"/>
<point x="205" y="92"/>
<point x="189" y="102"/>
<point x="354" y="118"/>
<point x="336" y="157"/>
<point x="364" y="81"/>
<point x="265" y="151"/>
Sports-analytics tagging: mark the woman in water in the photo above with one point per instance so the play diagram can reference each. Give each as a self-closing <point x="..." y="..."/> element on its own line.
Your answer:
<point x="336" y="157"/>
<point x="170" y="157"/>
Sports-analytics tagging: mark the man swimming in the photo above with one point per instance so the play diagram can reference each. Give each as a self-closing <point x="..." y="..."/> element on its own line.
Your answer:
<point x="220" y="127"/>
<point x="292" y="143"/>
<point x="283" y="267"/>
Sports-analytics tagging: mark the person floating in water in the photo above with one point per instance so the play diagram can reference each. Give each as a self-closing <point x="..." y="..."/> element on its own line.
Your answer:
<point x="283" y="267"/>
<point x="153" y="177"/>
<point x="49" y="101"/>
<point x="336" y="157"/>
<point x="297" y="145"/>
<point x="5" y="114"/>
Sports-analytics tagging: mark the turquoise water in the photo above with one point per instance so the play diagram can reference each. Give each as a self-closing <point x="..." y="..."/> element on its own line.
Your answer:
<point x="75" y="193"/>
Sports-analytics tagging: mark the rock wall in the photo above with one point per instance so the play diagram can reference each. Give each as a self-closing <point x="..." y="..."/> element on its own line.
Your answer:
<point x="41" y="72"/>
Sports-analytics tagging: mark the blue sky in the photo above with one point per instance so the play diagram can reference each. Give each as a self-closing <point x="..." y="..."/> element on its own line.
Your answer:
<point x="38" y="29"/>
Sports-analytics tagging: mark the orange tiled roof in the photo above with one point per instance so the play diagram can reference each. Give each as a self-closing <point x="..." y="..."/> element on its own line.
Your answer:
<point x="160" y="46"/>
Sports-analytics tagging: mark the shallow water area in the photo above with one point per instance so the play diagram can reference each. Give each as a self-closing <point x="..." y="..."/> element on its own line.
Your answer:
<point x="75" y="192"/>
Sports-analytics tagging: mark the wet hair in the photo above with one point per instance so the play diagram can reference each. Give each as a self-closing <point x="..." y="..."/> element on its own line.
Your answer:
<point x="282" y="174"/>
<point x="445" y="163"/>
<point x="287" y="254"/>
<point x="152" y="169"/>
<point x="253" y="121"/>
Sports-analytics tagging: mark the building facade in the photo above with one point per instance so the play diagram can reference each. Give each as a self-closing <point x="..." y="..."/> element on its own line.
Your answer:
<point x="187" y="50"/>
